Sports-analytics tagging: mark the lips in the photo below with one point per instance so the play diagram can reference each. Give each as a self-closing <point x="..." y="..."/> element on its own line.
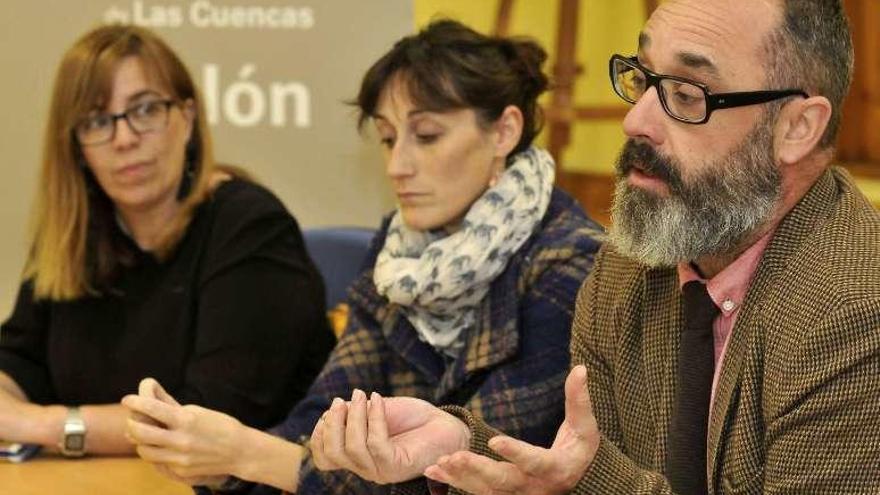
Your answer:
<point x="134" y="170"/>
<point x="407" y="198"/>
<point x="639" y="167"/>
<point x="648" y="163"/>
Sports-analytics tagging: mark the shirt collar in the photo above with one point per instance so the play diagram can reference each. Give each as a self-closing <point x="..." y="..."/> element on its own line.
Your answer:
<point x="729" y="287"/>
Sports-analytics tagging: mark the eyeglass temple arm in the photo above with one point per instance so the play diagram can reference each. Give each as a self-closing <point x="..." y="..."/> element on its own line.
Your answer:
<point x="740" y="99"/>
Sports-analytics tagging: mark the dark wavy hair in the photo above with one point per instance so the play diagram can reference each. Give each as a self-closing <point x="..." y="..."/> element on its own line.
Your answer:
<point x="448" y="66"/>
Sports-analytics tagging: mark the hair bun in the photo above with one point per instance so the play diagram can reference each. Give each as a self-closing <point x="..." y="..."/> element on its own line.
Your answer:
<point x="526" y="57"/>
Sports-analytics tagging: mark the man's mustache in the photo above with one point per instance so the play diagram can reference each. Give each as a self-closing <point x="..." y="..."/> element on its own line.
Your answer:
<point x="643" y="157"/>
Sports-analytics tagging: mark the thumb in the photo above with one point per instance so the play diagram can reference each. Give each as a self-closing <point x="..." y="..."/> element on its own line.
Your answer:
<point x="164" y="396"/>
<point x="146" y="387"/>
<point x="578" y="407"/>
<point x="149" y="387"/>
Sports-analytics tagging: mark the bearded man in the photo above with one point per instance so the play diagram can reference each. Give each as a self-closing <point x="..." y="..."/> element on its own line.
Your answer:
<point x="728" y="338"/>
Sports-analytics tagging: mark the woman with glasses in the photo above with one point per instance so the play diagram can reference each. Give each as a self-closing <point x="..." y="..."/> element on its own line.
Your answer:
<point x="146" y="259"/>
<point x="467" y="294"/>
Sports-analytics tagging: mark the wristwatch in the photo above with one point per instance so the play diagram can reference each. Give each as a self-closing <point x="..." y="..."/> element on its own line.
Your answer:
<point x="73" y="439"/>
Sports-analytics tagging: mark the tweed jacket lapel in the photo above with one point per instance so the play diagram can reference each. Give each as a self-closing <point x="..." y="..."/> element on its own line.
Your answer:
<point x="662" y="314"/>
<point x="792" y="232"/>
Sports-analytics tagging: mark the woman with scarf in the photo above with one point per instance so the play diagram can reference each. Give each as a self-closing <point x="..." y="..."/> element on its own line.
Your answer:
<point x="468" y="293"/>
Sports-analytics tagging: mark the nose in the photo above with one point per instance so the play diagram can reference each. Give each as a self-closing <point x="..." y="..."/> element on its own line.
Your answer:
<point x="646" y="118"/>
<point x="124" y="135"/>
<point x="399" y="163"/>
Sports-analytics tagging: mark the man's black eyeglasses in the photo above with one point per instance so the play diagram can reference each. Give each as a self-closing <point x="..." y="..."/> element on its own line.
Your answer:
<point x="684" y="100"/>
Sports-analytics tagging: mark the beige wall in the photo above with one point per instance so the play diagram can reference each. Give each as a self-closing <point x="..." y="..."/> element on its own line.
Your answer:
<point x="305" y="148"/>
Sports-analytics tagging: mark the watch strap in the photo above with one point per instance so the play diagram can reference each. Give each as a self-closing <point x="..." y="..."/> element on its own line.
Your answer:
<point x="73" y="436"/>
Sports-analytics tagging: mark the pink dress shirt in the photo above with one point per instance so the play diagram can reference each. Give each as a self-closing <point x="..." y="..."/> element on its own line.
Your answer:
<point x="728" y="290"/>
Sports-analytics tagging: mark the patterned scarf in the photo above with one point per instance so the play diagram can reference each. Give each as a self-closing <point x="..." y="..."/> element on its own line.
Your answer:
<point x="439" y="279"/>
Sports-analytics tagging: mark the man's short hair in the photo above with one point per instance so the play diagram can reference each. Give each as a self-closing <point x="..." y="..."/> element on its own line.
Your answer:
<point x="812" y="50"/>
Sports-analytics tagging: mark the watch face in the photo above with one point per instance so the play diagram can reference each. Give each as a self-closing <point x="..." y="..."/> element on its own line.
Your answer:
<point x="74" y="442"/>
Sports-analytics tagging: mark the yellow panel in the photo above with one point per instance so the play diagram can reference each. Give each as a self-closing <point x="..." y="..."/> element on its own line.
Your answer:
<point x="871" y="188"/>
<point x="604" y="28"/>
<point x="596" y="146"/>
<point x="479" y="15"/>
<point x="536" y="20"/>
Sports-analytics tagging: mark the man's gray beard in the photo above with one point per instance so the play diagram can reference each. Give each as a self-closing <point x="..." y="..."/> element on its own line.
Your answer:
<point x="709" y="215"/>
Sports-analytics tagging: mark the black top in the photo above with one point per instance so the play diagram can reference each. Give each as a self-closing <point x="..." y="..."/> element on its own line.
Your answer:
<point x="234" y="320"/>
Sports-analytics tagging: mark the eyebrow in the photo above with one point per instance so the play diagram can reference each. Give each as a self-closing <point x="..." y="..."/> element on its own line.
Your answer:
<point x="644" y="41"/>
<point x="141" y="94"/>
<point x="410" y="114"/>
<point x="697" y="61"/>
<point x="688" y="59"/>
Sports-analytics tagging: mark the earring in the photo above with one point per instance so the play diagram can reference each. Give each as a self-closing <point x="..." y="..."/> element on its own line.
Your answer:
<point x="493" y="181"/>
<point x="189" y="172"/>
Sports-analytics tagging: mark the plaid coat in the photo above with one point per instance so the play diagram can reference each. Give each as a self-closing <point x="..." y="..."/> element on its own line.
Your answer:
<point x="797" y="408"/>
<point x="511" y="368"/>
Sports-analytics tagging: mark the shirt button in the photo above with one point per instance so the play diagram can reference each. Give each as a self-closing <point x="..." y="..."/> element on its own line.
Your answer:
<point x="728" y="305"/>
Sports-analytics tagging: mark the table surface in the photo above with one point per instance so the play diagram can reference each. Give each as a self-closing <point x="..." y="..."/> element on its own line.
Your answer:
<point x="48" y="474"/>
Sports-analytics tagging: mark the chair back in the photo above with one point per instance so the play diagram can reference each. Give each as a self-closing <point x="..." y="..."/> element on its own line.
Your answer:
<point x="338" y="252"/>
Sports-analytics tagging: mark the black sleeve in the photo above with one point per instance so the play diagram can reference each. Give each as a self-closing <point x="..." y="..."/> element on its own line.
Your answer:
<point x="261" y="331"/>
<point x="23" y="346"/>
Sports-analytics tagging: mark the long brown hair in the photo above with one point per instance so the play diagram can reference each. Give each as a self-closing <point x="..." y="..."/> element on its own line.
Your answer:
<point x="73" y="250"/>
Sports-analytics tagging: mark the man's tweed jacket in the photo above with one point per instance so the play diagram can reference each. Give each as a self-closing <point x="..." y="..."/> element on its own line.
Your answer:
<point x="797" y="409"/>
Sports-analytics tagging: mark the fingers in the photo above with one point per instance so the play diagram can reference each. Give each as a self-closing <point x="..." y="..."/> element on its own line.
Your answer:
<point x="316" y="446"/>
<point x="147" y="387"/>
<point x="356" y="436"/>
<point x="142" y="433"/>
<point x="154" y="409"/>
<point x="334" y="434"/>
<point x="558" y="467"/>
<point x="378" y="442"/>
<point x="578" y="407"/>
<point x="476" y="474"/>
<point x="141" y="418"/>
<point x="151" y="388"/>
<point x="160" y="393"/>
<point x="532" y="460"/>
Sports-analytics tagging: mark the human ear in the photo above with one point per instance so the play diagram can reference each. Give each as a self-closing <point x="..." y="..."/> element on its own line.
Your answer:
<point x="800" y="128"/>
<point x="508" y="129"/>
